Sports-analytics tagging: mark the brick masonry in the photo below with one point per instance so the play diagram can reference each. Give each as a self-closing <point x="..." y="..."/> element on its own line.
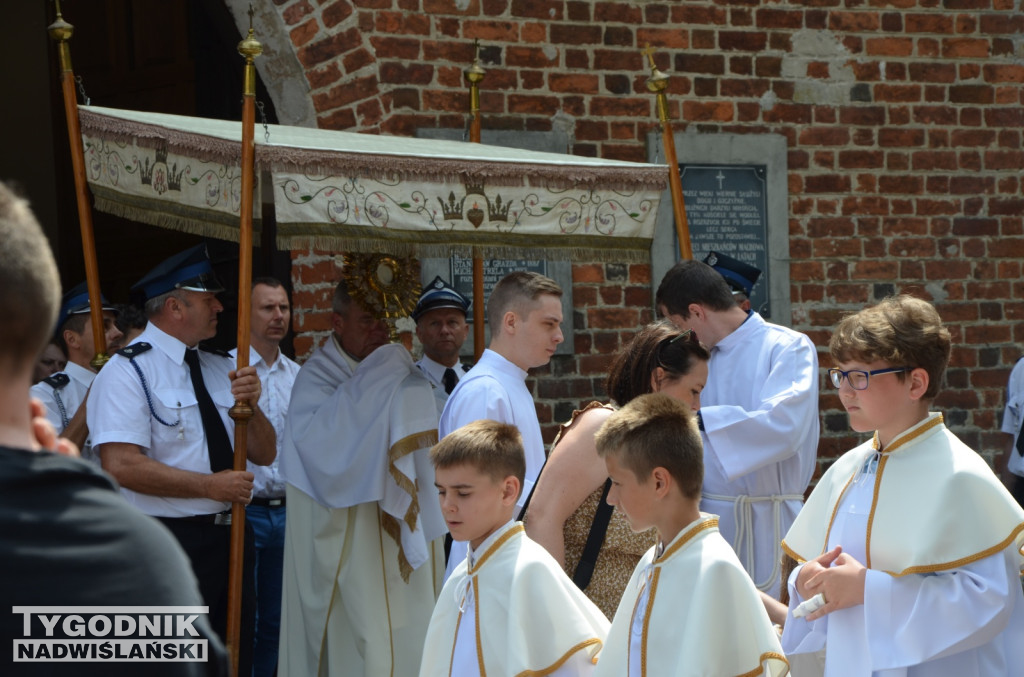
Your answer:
<point x="903" y="119"/>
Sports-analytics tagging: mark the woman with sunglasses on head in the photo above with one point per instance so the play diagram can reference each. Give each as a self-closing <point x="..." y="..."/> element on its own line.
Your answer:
<point x="568" y="513"/>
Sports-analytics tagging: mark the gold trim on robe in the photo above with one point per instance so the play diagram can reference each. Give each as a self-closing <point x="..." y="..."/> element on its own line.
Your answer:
<point x="951" y="508"/>
<point x="530" y="617"/>
<point x="703" y="614"/>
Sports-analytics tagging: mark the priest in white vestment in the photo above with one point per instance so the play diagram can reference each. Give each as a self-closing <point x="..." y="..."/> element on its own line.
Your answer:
<point x="363" y="559"/>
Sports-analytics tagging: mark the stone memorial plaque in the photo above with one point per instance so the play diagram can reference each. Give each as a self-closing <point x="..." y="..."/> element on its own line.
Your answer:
<point x="494" y="270"/>
<point x="727" y="211"/>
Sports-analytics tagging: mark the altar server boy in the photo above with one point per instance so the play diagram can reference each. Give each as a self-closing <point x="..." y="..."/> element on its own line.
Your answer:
<point x="690" y="608"/>
<point x="910" y="543"/>
<point x="508" y="609"/>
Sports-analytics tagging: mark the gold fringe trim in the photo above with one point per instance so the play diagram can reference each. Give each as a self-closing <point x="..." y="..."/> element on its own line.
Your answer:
<point x="191" y="144"/>
<point x="394" y="530"/>
<point x="445" y="244"/>
<point x="390" y="523"/>
<point x="170" y="216"/>
<point x="557" y="664"/>
<point x="399" y="449"/>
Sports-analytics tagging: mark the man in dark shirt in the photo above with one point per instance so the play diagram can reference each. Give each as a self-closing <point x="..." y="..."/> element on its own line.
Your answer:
<point x="73" y="555"/>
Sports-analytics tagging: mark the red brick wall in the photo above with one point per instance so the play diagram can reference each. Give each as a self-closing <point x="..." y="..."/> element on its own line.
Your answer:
<point x="903" y="118"/>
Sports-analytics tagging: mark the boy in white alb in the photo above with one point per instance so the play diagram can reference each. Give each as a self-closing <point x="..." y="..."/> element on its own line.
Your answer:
<point x="508" y="608"/>
<point x="690" y="608"/>
<point x="909" y="541"/>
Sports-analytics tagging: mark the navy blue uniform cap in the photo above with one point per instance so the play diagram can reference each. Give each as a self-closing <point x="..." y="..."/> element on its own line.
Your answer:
<point x="190" y="270"/>
<point x="740" y="276"/>
<point x="439" y="294"/>
<point x="76" y="302"/>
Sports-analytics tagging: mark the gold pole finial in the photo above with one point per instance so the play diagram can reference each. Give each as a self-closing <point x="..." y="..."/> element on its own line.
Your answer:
<point x="61" y="31"/>
<point x="250" y="48"/>
<point x="658" y="82"/>
<point x="475" y="73"/>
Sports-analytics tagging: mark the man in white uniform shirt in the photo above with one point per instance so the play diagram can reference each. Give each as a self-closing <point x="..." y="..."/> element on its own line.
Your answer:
<point x="1013" y="420"/>
<point x="758" y="415"/>
<point x="158" y="414"/>
<point x="268" y="325"/>
<point x="525" y="316"/>
<point x="441" y="327"/>
<point x="64" y="393"/>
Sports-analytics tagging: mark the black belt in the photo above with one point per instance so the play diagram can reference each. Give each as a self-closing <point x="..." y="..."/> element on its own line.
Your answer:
<point x="220" y="518"/>
<point x="275" y="502"/>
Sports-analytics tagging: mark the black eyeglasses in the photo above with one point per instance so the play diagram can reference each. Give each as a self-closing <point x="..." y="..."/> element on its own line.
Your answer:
<point x="688" y="336"/>
<point x="858" y="378"/>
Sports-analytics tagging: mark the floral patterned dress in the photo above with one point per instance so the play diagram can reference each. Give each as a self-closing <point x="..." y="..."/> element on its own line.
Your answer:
<point x="620" y="552"/>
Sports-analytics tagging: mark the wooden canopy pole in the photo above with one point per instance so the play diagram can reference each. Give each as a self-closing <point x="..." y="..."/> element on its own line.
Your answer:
<point x="61" y="31"/>
<point x="474" y="74"/>
<point x="658" y="83"/>
<point x="242" y="411"/>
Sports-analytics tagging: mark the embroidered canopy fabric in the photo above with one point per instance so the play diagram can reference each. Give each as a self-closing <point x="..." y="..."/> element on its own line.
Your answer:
<point x="363" y="192"/>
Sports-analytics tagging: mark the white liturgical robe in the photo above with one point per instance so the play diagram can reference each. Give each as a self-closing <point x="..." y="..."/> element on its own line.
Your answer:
<point x="691" y="611"/>
<point x="941" y="538"/>
<point x="495" y="389"/>
<point x="760" y="415"/>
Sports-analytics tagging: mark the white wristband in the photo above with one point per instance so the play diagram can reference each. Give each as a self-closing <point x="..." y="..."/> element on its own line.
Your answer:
<point x="810" y="606"/>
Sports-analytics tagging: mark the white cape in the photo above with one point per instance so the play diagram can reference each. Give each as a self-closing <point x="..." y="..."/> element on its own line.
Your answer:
<point x="364" y="436"/>
<point x="530" y="617"/>
<point x="703" y="616"/>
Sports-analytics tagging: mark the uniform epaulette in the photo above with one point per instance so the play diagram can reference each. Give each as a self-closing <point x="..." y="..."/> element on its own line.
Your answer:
<point x="215" y="351"/>
<point x="57" y="381"/>
<point x="134" y="350"/>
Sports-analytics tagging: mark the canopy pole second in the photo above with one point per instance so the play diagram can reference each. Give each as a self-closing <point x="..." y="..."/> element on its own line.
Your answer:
<point x="474" y="74"/>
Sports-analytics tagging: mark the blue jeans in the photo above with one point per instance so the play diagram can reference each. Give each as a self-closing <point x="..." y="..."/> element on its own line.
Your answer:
<point x="268" y="527"/>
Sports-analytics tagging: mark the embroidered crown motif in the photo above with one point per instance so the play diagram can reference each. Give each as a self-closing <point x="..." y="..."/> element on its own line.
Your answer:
<point x="496" y="211"/>
<point x="453" y="208"/>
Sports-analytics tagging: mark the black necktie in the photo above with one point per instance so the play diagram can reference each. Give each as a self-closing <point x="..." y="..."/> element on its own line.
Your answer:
<point x="217" y="442"/>
<point x="1020" y="442"/>
<point x="449" y="380"/>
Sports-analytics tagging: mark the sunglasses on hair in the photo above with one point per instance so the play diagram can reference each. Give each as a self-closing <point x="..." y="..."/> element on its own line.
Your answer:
<point x="688" y="336"/>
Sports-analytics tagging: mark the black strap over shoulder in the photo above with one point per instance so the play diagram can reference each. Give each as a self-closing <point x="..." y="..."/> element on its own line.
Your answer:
<point x="134" y="350"/>
<point x="131" y="352"/>
<point x="57" y="381"/>
<point x="595" y="539"/>
<point x="214" y="351"/>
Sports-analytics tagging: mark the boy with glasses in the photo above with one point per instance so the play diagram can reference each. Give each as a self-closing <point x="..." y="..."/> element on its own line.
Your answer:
<point x="910" y="546"/>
